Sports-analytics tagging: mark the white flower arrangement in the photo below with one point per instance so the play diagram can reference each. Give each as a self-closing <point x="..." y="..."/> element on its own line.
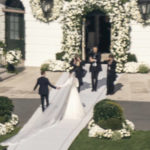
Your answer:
<point x="9" y="126"/>
<point x="133" y="67"/>
<point x="13" y="57"/>
<point x="57" y="65"/>
<point x="96" y="131"/>
<point x="39" y="14"/>
<point x="120" y="17"/>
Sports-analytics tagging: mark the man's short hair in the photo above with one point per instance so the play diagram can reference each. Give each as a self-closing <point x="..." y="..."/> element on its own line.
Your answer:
<point x="111" y="56"/>
<point x="42" y="72"/>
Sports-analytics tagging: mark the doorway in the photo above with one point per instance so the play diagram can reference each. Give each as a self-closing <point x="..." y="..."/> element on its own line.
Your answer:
<point x="97" y="32"/>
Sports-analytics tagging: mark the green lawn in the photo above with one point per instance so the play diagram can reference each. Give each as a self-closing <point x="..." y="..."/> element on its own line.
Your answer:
<point x="5" y="137"/>
<point x="140" y="140"/>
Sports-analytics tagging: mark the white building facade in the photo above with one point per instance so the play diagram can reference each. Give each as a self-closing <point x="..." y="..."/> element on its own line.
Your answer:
<point x="43" y="40"/>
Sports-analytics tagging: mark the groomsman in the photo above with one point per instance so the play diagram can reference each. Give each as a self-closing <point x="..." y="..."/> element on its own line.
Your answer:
<point x="43" y="84"/>
<point x="95" y="67"/>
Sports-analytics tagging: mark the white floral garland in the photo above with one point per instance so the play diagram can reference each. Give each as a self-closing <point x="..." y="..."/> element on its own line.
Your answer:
<point x="120" y="16"/>
<point x="9" y="126"/>
<point x="97" y="131"/>
<point x="57" y="65"/>
<point x="38" y="12"/>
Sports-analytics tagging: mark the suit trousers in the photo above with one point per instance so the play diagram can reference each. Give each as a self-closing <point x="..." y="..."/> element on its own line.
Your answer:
<point x="43" y="97"/>
<point x="110" y="85"/>
<point x="80" y="83"/>
<point x="94" y="76"/>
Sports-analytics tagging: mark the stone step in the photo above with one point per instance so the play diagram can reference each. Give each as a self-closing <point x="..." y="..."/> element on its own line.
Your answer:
<point x="2" y="70"/>
<point x="5" y="75"/>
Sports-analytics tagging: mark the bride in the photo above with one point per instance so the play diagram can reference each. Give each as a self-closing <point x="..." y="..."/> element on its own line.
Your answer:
<point x="74" y="109"/>
<point x="65" y="105"/>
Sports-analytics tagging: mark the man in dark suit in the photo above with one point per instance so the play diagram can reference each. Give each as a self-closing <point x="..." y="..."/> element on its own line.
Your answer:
<point x="95" y="67"/>
<point x="111" y="74"/>
<point x="43" y="82"/>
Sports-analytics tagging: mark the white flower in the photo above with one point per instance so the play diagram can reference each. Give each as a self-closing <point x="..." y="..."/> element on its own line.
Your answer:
<point x="131" y="67"/>
<point x="8" y="127"/>
<point x="13" y="56"/>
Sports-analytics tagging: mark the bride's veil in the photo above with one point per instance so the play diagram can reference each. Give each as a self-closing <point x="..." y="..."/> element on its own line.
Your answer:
<point x="39" y="121"/>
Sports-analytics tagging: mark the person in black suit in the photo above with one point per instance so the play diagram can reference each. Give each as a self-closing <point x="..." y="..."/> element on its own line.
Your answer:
<point x="77" y="65"/>
<point x="111" y="74"/>
<point x="43" y="82"/>
<point x="95" y="67"/>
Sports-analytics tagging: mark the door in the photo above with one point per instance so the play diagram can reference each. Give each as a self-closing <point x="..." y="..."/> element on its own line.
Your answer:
<point x="15" y="32"/>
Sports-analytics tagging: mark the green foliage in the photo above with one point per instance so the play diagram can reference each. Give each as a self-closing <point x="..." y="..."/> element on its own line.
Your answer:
<point x="45" y="67"/>
<point x="116" y="136"/>
<point x="59" y="56"/>
<point x="124" y="1"/>
<point x="68" y="0"/>
<point x="143" y="69"/>
<point x="108" y="114"/>
<point x="131" y="58"/>
<point x="112" y="123"/>
<point x="3" y="46"/>
<point x="5" y="137"/>
<point x="6" y="108"/>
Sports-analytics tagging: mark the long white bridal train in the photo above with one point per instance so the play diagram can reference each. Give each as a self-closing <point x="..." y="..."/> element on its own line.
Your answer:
<point x="65" y="104"/>
<point x="74" y="109"/>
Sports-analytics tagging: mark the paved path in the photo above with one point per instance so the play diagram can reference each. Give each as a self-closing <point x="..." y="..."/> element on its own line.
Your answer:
<point x="138" y="112"/>
<point x="21" y="85"/>
<point x="133" y="87"/>
<point x="60" y="136"/>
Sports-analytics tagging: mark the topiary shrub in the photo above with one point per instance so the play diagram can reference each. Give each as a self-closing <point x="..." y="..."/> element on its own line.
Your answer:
<point x="131" y="58"/>
<point x="6" y="108"/>
<point x="108" y="114"/>
<point x="45" y="67"/>
<point x="59" y="56"/>
<point x="143" y="68"/>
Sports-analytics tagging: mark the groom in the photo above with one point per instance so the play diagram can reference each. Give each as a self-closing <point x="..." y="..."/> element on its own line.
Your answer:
<point x="43" y="82"/>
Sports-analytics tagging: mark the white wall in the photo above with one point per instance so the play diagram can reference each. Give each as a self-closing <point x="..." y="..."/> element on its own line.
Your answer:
<point x="42" y="41"/>
<point x="140" y="42"/>
<point x="2" y="20"/>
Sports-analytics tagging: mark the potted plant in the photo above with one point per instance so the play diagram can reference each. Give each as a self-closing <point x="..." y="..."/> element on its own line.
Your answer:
<point x="13" y="58"/>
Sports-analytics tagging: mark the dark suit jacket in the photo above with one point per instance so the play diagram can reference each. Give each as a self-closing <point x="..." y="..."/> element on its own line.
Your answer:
<point x="77" y="69"/>
<point x="43" y="83"/>
<point x="111" y="70"/>
<point x="98" y="62"/>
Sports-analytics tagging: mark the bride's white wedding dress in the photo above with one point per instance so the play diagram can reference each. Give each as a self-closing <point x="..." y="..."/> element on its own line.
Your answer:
<point x="74" y="109"/>
<point x="65" y="104"/>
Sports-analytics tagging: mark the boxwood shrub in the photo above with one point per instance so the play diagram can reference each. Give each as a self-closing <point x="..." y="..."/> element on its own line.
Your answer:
<point x="108" y="114"/>
<point x="6" y="108"/>
<point x="131" y="58"/>
<point x="143" y="68"/>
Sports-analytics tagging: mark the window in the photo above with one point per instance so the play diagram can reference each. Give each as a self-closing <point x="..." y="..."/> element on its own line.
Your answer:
<point x="14" y="27"/>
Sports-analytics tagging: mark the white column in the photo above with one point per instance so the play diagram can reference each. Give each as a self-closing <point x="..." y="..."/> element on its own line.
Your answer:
<point x="2" y="21"/>
<point x="83" y="39"/>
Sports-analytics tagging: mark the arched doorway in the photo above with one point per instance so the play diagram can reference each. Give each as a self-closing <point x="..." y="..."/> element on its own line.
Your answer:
<point x="97" y="32"/>
<point x="15" y="25"/>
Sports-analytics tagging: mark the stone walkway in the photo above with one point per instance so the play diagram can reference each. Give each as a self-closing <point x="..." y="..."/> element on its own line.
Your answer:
<point x="132" y="87"/>
<point x="21" y="85"/>
<point x="138" y="112"/>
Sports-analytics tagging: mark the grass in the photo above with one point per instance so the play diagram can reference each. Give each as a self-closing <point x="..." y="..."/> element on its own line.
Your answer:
<point x="140" y="140"/>
<point x="5" y="137"/>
